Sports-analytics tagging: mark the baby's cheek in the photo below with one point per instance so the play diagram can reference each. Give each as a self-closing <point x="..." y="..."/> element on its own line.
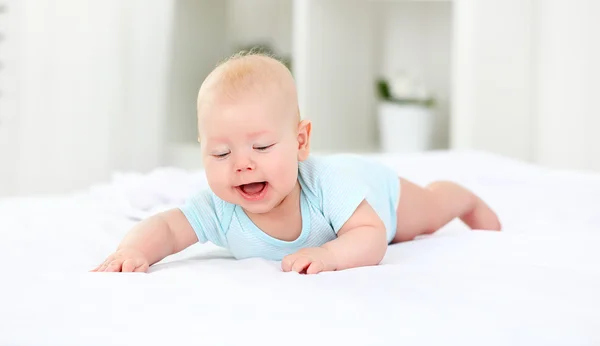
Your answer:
<point x="217" y="178"/>
<point x="286" y="171"/>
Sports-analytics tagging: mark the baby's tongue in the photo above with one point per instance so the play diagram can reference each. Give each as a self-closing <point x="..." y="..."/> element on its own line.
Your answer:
<point x="253" y="188"/>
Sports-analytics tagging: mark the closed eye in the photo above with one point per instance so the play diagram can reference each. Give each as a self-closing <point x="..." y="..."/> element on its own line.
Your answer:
<point x="220" y="156"/>
<point x="264" y="147"/>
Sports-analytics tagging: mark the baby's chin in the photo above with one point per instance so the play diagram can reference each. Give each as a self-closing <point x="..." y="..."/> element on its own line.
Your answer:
<point x="256" y="209"/>
<point x="259" y="207"/>
<point x="262" y="207"/>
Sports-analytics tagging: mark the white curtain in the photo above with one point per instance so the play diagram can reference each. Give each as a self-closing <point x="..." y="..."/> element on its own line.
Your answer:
<point x="92" y="88"/>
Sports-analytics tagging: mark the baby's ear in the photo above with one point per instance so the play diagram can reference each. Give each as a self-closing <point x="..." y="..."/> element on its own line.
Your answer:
<point x="304" y="128"/>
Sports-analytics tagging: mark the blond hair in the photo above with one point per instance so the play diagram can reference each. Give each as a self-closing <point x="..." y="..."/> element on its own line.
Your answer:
<point x="248" y="70"/>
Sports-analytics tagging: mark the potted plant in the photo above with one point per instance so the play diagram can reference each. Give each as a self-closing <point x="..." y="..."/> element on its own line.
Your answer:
<point x="405" y="115"/>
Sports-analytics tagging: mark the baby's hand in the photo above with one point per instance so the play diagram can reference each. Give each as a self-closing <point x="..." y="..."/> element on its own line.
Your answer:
<point x="310" y="260"/>
<point x="124" y="260"/>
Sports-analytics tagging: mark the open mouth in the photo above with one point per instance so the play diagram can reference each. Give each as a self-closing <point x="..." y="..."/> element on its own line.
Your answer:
<point x="253" y="191"/>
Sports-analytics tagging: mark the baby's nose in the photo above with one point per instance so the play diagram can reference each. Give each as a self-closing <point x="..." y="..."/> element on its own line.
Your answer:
<point x="244" y="165"/>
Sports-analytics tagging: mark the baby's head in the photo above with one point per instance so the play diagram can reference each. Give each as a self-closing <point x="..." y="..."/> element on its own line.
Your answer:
<point x="250" y="132"/>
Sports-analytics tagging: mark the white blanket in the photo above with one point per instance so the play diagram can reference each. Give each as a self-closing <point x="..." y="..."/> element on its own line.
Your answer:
<point x="536" y="283"/>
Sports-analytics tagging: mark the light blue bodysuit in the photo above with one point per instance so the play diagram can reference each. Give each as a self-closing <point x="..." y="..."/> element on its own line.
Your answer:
<point x="332" y="187"/>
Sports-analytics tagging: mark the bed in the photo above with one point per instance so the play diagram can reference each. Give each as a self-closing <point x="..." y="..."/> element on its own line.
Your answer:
<point x="536" y="283"/>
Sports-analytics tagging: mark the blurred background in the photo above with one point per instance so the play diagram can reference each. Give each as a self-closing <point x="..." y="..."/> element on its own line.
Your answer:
<point x="93" y="87"/>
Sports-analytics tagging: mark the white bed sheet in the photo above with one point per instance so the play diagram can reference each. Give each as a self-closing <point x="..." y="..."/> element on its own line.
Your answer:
<point x="536" y="283"/>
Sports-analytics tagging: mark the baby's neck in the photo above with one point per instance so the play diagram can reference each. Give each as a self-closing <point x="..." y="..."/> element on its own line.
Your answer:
<point x="283" y="222"/>
<point x="289" y="205"/>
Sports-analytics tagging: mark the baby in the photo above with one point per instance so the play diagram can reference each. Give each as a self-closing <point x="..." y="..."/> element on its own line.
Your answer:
<point x="270" y="198"/>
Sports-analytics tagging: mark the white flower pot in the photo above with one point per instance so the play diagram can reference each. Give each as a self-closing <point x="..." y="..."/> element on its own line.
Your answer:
<point x="405" y="128"/>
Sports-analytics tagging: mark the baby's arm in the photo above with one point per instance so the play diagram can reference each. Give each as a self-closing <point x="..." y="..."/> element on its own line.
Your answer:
<point x="150" y="241"/>
<point x="362" y="241"/>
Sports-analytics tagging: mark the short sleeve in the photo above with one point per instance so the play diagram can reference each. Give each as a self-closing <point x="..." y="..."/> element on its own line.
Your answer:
<point x="204" y="213"/>
<point x="341" y="191"/>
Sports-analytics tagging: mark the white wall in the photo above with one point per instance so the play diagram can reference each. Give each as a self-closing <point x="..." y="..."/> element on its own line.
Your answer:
<point x="416" y="37"/>
<point x="335" y="80"/>
<point x="249" y="22"/>
<point x="567" y="75"/>
<point x="526" y="80"/>
<point x="492" y="66"/>
<point x="199" y="42"/>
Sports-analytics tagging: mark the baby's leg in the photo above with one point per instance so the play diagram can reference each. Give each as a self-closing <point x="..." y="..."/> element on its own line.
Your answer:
<point x="425" y="210"/>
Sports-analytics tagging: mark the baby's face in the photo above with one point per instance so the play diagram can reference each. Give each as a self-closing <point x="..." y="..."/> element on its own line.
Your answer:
<point x="251" y="147"/>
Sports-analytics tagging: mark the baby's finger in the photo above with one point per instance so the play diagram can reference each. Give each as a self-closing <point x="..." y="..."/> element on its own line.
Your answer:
<point x="315" y="267"/>
<point x="128" y="265"/>
<point x="301" y="264"/>
<point x="142" y="268"/>
<point x="105" y="264"/>
<point x="96" y="269"/>
<point x="287" y="262"/>
<point x="114" y="266"/>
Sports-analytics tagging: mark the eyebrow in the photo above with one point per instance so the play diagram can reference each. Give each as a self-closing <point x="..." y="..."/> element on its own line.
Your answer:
<point x="258" y="133"/>
<point x="250" y="135"/>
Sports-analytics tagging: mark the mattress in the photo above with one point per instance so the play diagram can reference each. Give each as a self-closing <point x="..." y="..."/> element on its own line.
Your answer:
<point x="535" y="283"/>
